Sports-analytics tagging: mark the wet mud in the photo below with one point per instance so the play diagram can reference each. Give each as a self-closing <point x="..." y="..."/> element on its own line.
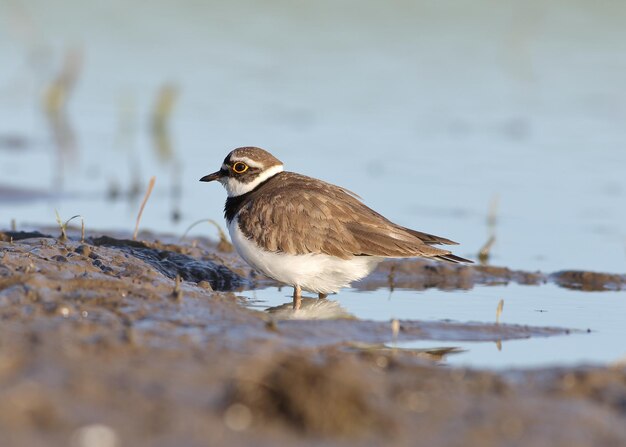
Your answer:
<point x="420" y="274"/>
<point x="148" y="343"/>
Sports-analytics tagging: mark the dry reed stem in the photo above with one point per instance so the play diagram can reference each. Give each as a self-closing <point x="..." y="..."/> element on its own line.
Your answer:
<point x="143" y="205"/>
<point x="224" y="244"/>
<point x="395" y="330"/>
<point x="499" y="311"/>
<point x="177" y="293"/>
<point x="492" y="217"/>
<point x="485" y="252"/>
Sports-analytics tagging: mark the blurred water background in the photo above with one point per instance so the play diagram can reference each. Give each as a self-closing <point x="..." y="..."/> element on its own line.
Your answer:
<point x="502" y="119"/>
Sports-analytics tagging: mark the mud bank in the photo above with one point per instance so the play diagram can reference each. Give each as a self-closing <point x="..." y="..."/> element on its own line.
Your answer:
<point x="147" y="343"/>
<point x="419" y="275"/>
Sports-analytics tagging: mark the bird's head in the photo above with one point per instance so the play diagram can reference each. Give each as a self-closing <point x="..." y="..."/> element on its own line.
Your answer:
<point x="244" y="169"/>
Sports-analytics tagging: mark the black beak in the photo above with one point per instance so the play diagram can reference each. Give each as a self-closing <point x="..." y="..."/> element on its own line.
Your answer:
<point x="211" y="177"/>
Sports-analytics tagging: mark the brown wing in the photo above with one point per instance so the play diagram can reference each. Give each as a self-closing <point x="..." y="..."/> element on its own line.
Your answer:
<point x="297" y="215"/>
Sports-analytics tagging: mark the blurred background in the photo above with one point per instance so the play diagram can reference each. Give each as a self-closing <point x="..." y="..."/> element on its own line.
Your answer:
<point x="502" y="120"/>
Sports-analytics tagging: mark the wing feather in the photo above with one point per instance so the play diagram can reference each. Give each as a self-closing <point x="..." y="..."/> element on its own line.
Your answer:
<point x="296" y="214"/>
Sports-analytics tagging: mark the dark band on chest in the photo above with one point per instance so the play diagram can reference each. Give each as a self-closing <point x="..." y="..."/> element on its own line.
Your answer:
<point x="235" y="204"/>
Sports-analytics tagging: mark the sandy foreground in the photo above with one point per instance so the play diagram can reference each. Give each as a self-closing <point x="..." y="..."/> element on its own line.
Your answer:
<point x="111" y="342"/>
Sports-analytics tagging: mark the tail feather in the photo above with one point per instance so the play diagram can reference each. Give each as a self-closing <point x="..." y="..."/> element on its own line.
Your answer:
<point x="452" y="258"/>
<point x="430" y="239"/>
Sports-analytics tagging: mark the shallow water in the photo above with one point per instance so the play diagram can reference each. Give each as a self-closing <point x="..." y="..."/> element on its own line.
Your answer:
<point x="598" y="316"/>
<point x="430" y="115"/>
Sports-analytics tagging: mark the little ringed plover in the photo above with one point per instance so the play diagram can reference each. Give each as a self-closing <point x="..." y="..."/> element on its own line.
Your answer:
<point x="307" y="233"/>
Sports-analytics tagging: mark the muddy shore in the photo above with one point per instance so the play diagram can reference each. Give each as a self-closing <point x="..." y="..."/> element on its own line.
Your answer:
<point x="148" y="343"/>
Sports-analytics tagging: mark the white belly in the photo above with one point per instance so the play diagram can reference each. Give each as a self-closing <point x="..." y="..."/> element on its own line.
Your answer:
<point x="313" y="272"/>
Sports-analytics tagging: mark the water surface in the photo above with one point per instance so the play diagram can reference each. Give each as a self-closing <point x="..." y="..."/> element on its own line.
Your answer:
<point x="596" y="317"/>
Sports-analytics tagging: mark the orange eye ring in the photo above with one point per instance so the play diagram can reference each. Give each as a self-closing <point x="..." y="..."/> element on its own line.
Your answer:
<point x="239" y="167"/>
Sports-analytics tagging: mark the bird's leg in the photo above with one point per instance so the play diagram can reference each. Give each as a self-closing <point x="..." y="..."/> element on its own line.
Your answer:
<point x="322" y="296"/>
<point x="297" y="297"/>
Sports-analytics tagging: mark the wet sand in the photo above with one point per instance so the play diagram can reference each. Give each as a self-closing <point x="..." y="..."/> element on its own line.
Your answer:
<point x="147" y="343"/>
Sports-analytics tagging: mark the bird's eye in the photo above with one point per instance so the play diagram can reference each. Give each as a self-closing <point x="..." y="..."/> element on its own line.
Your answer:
<point x="240" y="167"/>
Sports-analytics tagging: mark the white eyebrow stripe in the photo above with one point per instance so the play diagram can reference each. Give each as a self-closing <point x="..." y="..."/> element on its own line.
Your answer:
<point x="249" y="162"/>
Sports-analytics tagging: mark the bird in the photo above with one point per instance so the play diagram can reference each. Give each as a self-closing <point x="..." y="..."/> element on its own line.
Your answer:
<point x="307" y="233"/>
